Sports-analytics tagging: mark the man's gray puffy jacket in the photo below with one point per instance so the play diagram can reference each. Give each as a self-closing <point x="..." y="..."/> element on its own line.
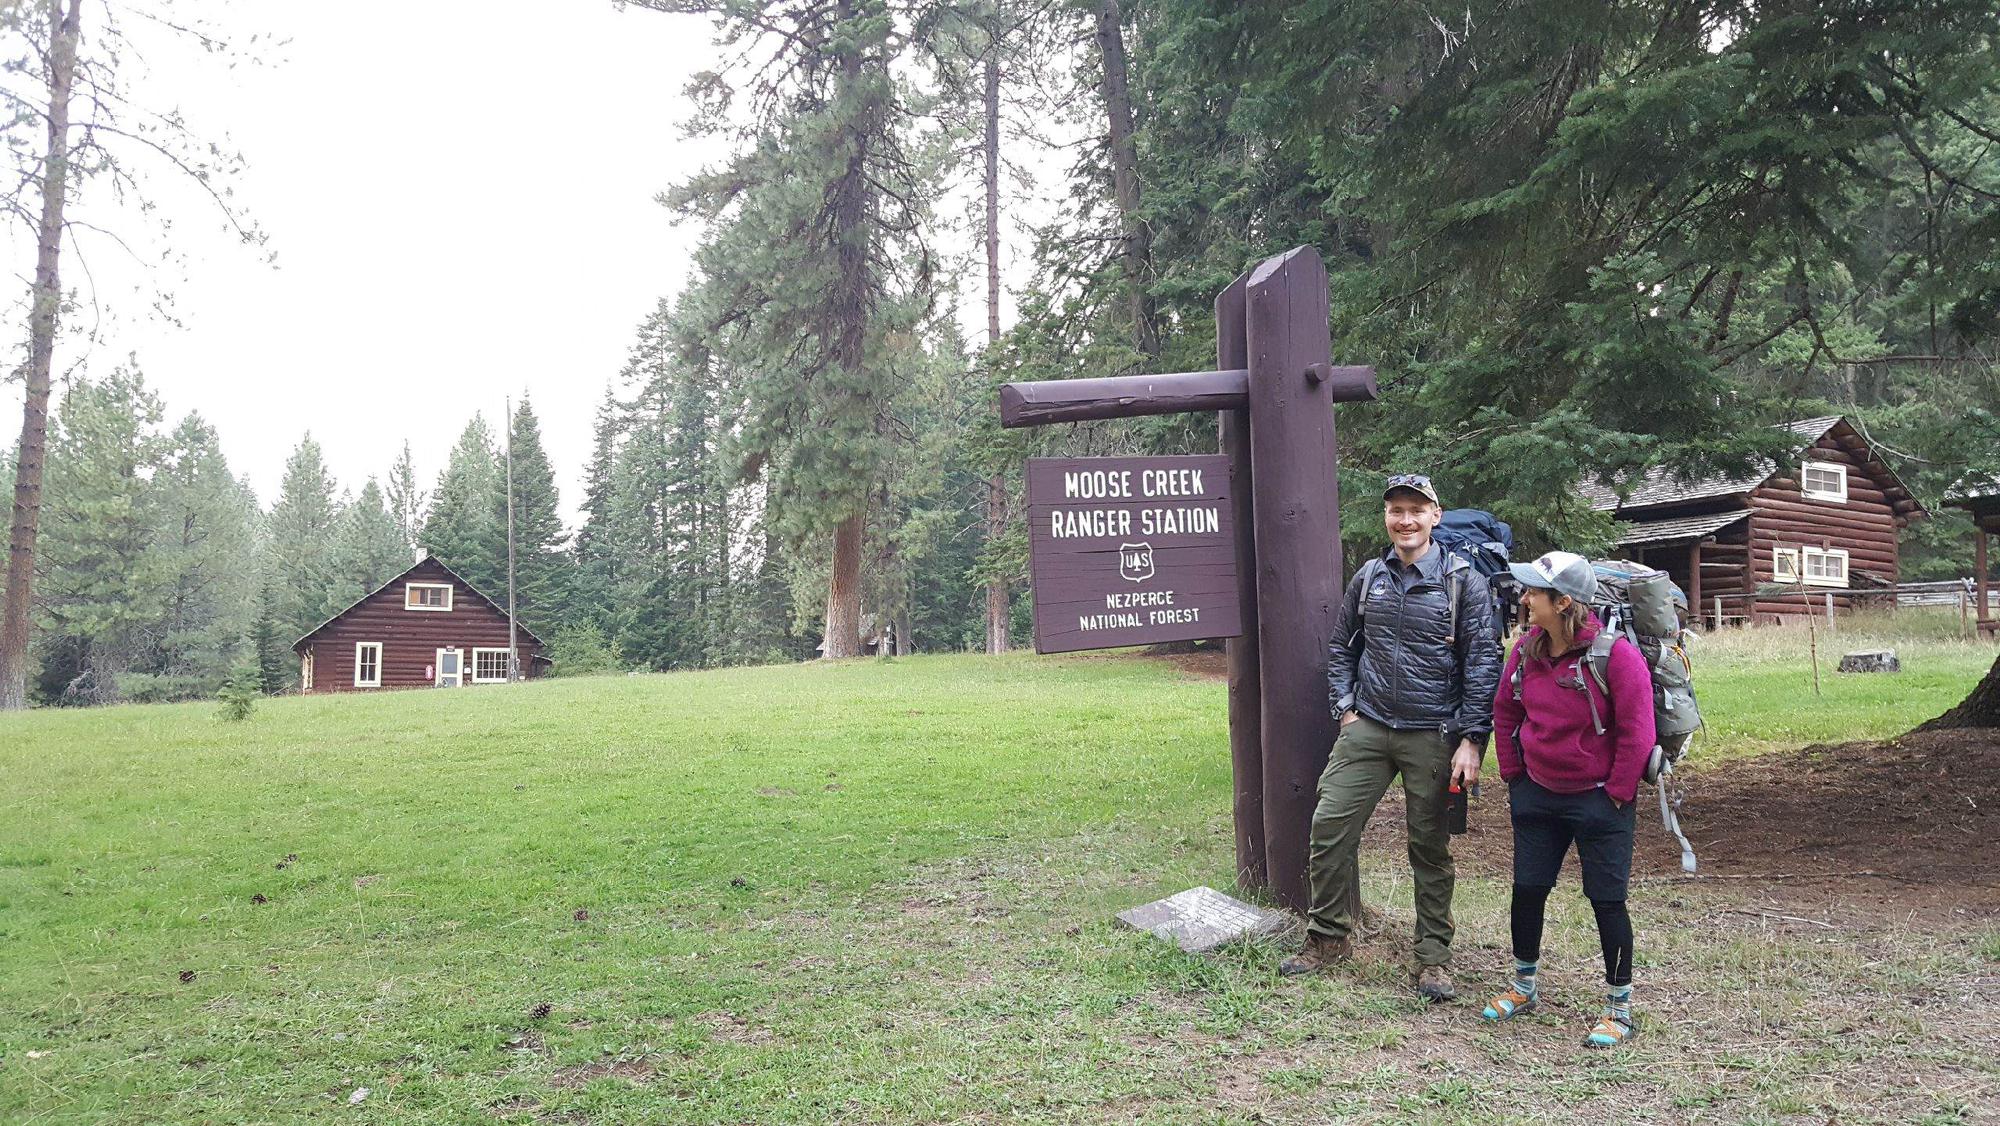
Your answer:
<point x="1392" y="657"/>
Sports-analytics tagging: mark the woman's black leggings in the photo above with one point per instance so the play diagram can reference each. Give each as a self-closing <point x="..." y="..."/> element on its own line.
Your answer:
<point x="1614" y="931"/>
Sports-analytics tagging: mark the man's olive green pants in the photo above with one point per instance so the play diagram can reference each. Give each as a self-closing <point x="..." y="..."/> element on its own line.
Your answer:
<point x="1366" y="757"/>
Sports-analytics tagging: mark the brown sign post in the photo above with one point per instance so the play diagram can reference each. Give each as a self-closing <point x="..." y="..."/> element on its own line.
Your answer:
<point x="1275" y="388"/>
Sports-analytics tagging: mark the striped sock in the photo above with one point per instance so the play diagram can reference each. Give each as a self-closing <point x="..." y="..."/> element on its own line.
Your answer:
<point x="1524" y="977"/>
<point x="1619" y="1006"/>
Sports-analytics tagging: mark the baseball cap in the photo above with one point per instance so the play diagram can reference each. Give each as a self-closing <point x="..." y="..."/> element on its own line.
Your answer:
<point x="1415" y="482"/>
<point x="1564" y="572"/>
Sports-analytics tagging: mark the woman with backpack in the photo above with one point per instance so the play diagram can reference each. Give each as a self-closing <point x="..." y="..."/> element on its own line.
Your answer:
<point x="1573" y="727"/>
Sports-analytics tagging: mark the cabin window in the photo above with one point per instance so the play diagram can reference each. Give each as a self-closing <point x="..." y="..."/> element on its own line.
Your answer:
<point x="1826" y="567"/>
<point x="1785" y="565"/>
<point x="368" y="664"/>
<point x="427" y="596"/>
<point x="1824" y="480"/>
<point x="489" y="666"/>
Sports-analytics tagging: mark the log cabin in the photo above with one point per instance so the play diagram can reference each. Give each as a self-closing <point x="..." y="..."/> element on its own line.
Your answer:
<point x="425" y="628"/>
<point x="1772" y="541"/>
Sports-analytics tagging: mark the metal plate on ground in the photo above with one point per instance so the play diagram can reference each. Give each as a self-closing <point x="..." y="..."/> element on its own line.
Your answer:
<point x="1200" y="919"/>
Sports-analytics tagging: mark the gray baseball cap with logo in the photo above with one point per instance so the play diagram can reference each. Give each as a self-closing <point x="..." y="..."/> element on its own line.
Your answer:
<point x="1564" y="572"/>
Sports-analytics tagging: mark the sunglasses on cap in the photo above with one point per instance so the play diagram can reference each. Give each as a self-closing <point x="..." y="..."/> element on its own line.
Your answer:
<point x="1415" y="481"/>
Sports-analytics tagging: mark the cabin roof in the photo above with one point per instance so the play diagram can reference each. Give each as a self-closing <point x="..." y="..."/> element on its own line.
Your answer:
<point x="1660" y="486"/>
<point x="406" y="573"/>
<point x="1637" y="533"/>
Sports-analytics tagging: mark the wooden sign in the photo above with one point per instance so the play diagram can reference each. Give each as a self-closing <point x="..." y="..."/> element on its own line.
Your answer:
<point x="1131" y="551"/>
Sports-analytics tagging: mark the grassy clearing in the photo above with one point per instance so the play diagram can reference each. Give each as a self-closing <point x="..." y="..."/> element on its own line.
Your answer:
<point x="876" y="892"/>
<point x="1756" y="685"/>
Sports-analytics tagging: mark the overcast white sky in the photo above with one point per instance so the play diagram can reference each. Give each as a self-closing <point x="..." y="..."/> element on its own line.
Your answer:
<point x="460" y="197"/>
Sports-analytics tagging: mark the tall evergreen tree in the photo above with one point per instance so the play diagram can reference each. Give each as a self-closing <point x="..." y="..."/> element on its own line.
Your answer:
<point x="593" y="589"/>
<point x="406" y="501"/>
<point x="205" y="541"/>
<point x="101" y="583"/>
<point x="462" y="527"/>
<point x="367" y="550"/>
<point x="299" y="537"/>
<point x="541" y="567"/>
<point x="817" y="266"/>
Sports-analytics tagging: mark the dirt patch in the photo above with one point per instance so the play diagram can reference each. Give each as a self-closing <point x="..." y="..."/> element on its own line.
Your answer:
<point x="1915" y="820"/>
<point x="632" y="1071"/>
<point x="733" y="1028"/>
<point x="1208" y="662"/>
<point x="1911" y="823"/>
<point x="513" y="1105"/>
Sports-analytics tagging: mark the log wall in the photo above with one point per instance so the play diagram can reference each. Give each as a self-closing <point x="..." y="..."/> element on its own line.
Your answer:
<point x="1865" y="526"/>
<point x="411" y="638"/>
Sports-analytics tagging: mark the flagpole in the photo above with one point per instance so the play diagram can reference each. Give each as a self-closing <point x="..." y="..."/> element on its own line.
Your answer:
<point x="513" y="644"/>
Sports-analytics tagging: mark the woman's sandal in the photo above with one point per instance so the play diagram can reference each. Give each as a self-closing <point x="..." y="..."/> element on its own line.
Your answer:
<point x="1508" y="1005"/>
<point x="1610" y="1032"/>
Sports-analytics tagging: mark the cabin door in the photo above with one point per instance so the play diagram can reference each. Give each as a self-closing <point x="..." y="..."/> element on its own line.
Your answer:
<point x="450" y="668"/>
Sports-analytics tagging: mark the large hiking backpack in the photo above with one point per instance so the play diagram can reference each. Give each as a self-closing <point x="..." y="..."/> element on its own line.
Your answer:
<point x="1644" y="606"/>
<point x="1487" y="543"/>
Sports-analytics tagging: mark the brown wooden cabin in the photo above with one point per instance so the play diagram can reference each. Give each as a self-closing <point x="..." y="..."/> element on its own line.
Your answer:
<point x="1982" y="501"/>
<point x="1826" y="520"/>
<point x="425" y="628"/>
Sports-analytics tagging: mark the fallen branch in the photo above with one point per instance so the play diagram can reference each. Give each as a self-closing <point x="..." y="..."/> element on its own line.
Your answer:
<point x="1785" y="918"/>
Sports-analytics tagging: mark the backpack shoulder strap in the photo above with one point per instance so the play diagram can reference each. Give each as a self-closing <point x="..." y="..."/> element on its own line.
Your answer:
<point x="1598" y="660"/>
<point x="1456" y="568"/>
<point x="1366" y="576"/>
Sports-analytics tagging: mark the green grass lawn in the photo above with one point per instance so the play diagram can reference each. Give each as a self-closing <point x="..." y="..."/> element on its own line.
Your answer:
<point x="872" y="892"/>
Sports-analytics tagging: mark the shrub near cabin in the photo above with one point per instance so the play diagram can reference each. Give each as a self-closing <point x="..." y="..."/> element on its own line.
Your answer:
<point x="1131" y="551"/>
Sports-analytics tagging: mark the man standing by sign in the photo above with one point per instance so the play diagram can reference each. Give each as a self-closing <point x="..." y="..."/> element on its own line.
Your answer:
<point x="1411" y="670"/>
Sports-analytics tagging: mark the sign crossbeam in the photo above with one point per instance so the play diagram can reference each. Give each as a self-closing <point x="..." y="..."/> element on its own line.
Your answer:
<point x="1252" y="555"/>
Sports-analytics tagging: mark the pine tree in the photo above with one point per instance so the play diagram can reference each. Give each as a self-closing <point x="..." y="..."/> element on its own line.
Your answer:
<point x="367" y="550"/>
<point x="593" y="589"/>
<point x="299" y="536"/>
<point x="541" y="567"/>
<point x="815" y="262"/>
<point x="463" y="526"/>
<point x="406" y="501"/>
<point x="205" y="539"/>
<point x="103" y="584"/>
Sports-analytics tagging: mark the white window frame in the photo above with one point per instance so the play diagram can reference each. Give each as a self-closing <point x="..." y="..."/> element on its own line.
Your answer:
<point x="1807" y="468"/>
<point x="1785" y="565"/>
<point x="473" y="665"/>
<point x="408" y="588"/>
<point x="358" y="647"/>
<point x="1823" y="555"/>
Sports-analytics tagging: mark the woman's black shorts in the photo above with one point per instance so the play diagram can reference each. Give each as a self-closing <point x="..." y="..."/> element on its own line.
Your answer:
<point x="1546" y="822"/>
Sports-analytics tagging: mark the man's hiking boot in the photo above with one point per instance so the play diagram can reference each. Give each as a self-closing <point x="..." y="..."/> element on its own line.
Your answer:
<point x="1319" y="953"/>
<point x="1434" y="983"/>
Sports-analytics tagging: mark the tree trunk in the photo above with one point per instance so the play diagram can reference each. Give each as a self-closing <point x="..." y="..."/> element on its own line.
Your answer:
<point x="47" y="300"/>
<point x="843" y="593"/>
<point x="998" y="613"/>
<point x="1980" y="708"/>
<point x="1125" y="178"/>
<point x="848" y="210"/>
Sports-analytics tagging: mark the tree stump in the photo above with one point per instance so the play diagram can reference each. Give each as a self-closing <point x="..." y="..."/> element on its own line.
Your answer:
<point x="1871" y="660"/>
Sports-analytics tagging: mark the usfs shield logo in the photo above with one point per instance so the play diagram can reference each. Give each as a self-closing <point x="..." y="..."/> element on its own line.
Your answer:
<point x="1135" y="561"/>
